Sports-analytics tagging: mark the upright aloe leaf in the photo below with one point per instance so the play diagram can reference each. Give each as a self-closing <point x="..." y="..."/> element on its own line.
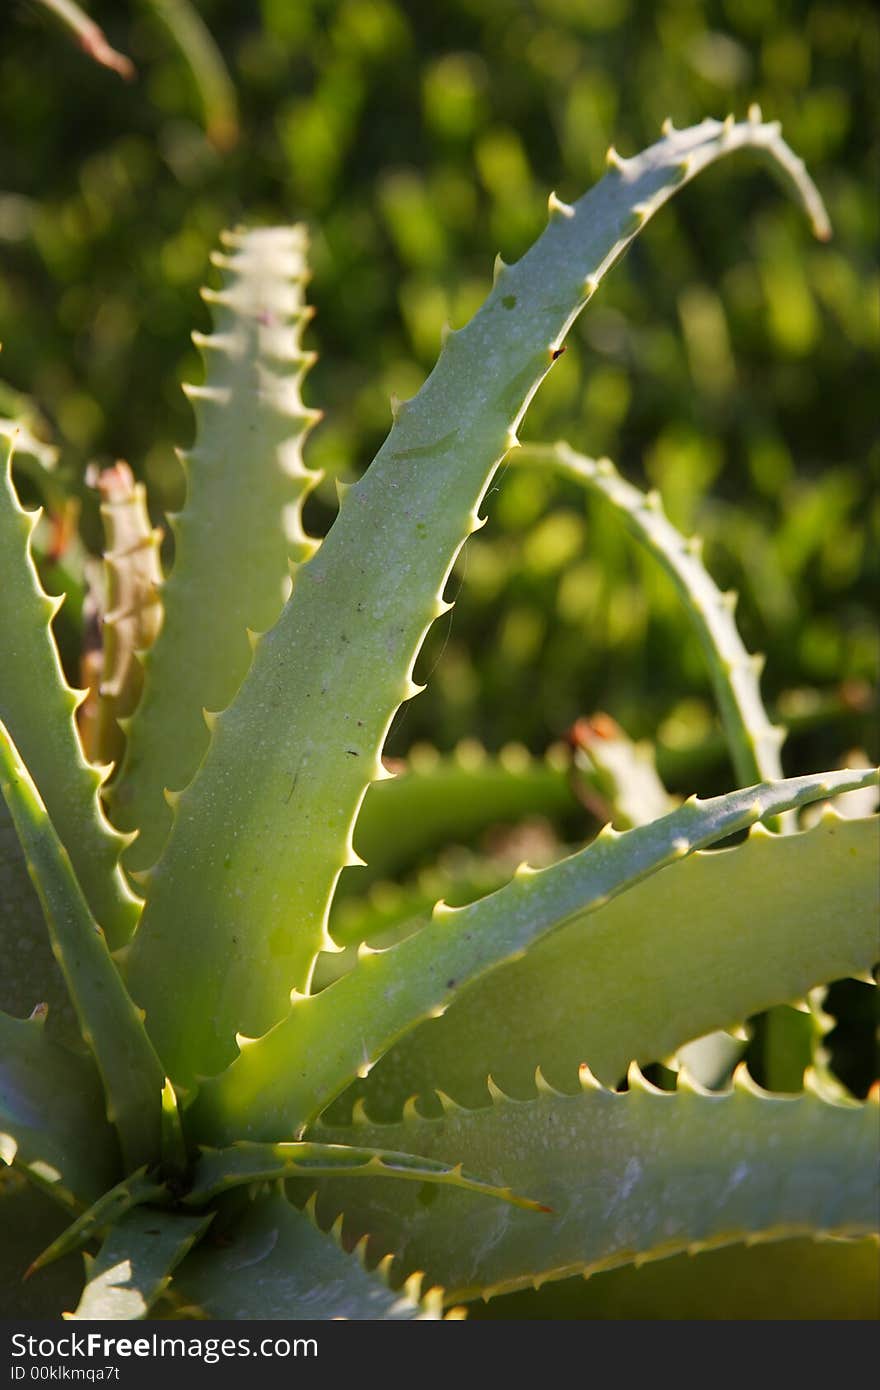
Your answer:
<point x="282" y="1081"/>
<point x="110" y="1024"/>
<point x="630" y="1176"/>
<point x="297" y="744"/>
<point x="37" y="706"/>
<point x="241" y="526"/>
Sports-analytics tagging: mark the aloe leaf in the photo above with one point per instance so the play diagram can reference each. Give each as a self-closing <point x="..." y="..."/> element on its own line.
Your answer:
<point x="297" y="744"/>
<point x="240" y="528"/>
<point x="282" y="1080"/>
<point x="700" y="946"/>
<point x="90" y="36"/>
<point x="830" y="1278"/>
<point x="52" y="1121"/>
<point x="275" y="1263"/>
<point x="754" y="742"/>
<point x="135" y="1263"/>
<point x="30" y="974"/>
<point x="434" y="799"/>
<point x="631" y="1176"/>
<point x="133" y="614"/>
<point x="111" y="1026"/>
<point x="37" y="705"/>
<point x="109" y="1209"/>
<point x="219" y="1170"/>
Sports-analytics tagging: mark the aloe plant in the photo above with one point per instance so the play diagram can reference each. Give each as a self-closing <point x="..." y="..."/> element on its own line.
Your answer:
<point x="215" y="1052"/>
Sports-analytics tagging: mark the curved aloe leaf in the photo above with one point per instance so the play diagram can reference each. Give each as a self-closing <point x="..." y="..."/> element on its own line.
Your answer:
<point x="361" y="609"/>
<point x="282" y="1080"/>
<point x="219" y="1170"/>
<point x="239" y="530"/>
<point x="630" y="1176"/>
<point x="52" y="1121"/>
<point x="37" y="705"/>
<point x="111" y="1026"/>
<point x="754" y="742"/>
<point x="135" y="1263"/>
<point x="275" y="1263"/>
<point x="702" y="945"/>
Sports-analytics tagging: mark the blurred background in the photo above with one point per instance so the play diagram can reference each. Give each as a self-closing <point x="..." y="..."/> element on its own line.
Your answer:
<point x="729" y="361"/>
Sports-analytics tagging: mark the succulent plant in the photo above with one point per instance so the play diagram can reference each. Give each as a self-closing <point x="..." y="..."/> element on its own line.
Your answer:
<point x="227" y="1049"/>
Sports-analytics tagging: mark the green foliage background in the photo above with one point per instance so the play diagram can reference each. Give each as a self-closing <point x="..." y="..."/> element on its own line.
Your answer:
<point x="730" y="363"/>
